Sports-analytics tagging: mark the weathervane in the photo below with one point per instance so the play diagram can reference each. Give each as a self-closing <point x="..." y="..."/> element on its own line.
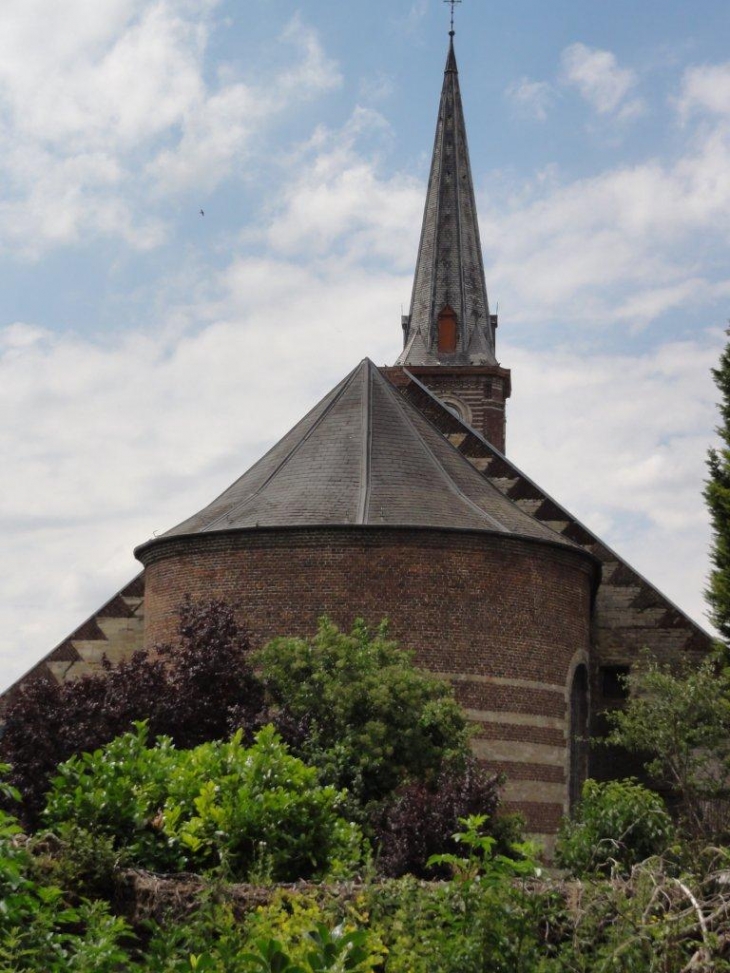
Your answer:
<point x="453" y="3"/>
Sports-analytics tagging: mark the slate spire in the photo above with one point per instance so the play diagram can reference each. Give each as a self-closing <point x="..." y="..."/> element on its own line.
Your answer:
<point x="449" y="323"/>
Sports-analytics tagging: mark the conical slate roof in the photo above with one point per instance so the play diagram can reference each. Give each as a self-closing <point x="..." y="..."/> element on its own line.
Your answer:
<point x="364" y="456"/>
<point x="449" y="267"/>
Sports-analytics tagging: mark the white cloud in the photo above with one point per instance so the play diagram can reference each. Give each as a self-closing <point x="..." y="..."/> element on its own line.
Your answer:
<point x="376" y="88"/>
<point x="312" y="72"/>
<point x="599" y="79"/>
<point x="534" y="98"/>
<point x="705" y="89"/>
<point x="628" y="243"/>
<point x="340" y="202"/>
<point x="108" y="106"/>
<point x="415" y="16"/>
<point x="217" y="129"/>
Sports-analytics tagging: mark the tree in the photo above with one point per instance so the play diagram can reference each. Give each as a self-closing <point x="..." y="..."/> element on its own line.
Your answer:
<point x="356" y="707"/>
<point x="616" y="824"/>
<point x="680" y="720"/>
<point x="195" y="689"/>
<point x="717" y="497"/>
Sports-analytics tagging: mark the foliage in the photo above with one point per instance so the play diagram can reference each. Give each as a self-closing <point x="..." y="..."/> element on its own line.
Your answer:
<point x="650" y="921"/>
<point x="250" y="811"/>
<point x="717" y="497"/>
<point x="681" y="722"/>
<point x="83" y="863"/>
<point x="210" y="686"/>
<point x="193" y="690"/>
<point x="615" y="825"/>
<point x="356" y="707"/>
<point x="46" y="722"/>
<point x="482" y="860"/>
<point x="38" y="930"/>
<point x="490" y="917"/>
<point x="421" y="818"/>
<point x="210" y="939"/>
<point x="327" y="951"/>
<point x="293" y="919"/>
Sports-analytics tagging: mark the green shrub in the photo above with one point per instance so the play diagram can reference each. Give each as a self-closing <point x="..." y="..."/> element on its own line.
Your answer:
<point x="616" y="825"/>
<point x="677" y="719"/>
<point x="299" y="922"/>
<point x="38" y="931"/>
<point x="356" y="707"/>
<point x="254" y="811"/>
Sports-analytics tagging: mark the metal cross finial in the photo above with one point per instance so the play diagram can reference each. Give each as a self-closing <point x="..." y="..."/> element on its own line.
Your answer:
<point x="453" y="3"/>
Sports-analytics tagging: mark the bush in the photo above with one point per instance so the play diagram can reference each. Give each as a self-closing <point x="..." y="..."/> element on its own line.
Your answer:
<point x="256" y="812"/>
<point x="488" y="918"/>
<point x="317" y="932"/>
<point x="356" y="707"/>
<point x="38" y="931"/>
<point x="421" y="819"/>
<point x="616" y="825"/>
<point x="678" y="720"/>
<point x="199" y="688"/>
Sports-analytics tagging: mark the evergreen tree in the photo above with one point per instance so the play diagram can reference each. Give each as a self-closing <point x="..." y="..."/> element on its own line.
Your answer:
<point x="717" y="496"/>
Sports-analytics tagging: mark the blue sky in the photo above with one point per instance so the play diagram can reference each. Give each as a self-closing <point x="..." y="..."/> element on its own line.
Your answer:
<point x="149" y="354"/>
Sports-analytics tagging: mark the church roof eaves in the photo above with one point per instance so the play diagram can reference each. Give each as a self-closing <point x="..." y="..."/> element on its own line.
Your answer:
<point x="364" y="457"/>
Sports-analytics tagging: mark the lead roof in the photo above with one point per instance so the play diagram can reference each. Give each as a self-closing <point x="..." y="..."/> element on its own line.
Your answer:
<point x="364" y="456"/>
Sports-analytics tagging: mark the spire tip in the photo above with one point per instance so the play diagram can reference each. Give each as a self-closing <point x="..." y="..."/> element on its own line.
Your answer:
<point x="453" y="4"/>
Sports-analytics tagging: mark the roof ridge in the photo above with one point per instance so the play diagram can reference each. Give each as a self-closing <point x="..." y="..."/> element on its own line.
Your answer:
<point x="433" y="459"/>
<point x="236" y="508"/>
<point x="363" y="504"/>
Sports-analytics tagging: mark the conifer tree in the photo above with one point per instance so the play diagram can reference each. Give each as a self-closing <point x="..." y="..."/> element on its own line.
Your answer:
<point x="717" y="497"/>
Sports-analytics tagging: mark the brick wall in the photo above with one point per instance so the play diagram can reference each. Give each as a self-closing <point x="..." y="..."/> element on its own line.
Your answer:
<point x="479" y="392"/>
<point x="499" y="616"/>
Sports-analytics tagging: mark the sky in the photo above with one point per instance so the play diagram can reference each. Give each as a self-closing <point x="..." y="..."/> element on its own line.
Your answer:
<point x="149" y="353"/>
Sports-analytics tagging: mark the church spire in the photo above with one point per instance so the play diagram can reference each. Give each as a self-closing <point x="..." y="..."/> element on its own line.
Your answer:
<point x="449" y="323"/>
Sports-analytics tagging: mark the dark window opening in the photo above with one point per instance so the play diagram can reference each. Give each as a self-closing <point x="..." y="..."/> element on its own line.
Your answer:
<point x="578" y="734"/>
<point x="613" y="682"/>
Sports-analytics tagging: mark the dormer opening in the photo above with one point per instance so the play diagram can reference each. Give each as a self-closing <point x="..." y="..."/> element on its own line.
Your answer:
<point x="447" y="330"/>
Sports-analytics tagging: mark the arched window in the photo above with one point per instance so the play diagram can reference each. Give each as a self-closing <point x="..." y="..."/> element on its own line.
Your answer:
<point x="578" y="734"/>
<point x="459" y="408"/>
<point x="447" y="330"/>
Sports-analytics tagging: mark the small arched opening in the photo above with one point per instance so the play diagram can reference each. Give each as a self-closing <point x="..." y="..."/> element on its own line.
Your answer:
<point x="578" y="734"/>
<point x="457" y="407"/>
<point x="447" y="330"/>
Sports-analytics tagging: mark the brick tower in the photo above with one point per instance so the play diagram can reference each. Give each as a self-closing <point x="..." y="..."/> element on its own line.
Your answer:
<point x="449" y="335"/>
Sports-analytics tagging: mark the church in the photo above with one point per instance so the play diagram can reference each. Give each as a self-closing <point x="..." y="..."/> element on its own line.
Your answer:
<point x="394" y="497"/>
